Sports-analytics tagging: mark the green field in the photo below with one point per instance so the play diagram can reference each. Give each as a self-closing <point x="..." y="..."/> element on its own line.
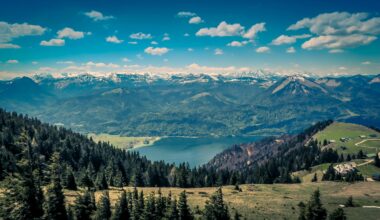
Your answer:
<point x="352" y="132"/>
<point x="277" y="201"/>
<point x="124" y="142"/>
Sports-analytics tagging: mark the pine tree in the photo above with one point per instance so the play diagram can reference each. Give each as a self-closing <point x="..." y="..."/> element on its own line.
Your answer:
<point x="302" y="208"/>
<point x="349" y="202"/>
<point x="55" y="201"/>
<point x="86" y="181"/>
<point x="103" y="211"/>
<point x="314" y="209"/>
<point x="121" y="209"/>
<point x="84" y="206"/>
<point x="70" y="181"/>
<point x="101" y="182"/>
<point x="150" y="207"/>
<point x="173" y="211"/>
<point x="184" y="212"/>
<point x="338" y="214"/>
<point x="160" y="205"/>
<point x="215" y="208"/>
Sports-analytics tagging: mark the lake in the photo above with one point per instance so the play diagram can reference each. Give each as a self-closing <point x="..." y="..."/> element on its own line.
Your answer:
<point x="195" y="151"/>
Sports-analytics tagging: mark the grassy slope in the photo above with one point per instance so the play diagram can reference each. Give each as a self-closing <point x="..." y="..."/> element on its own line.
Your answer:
<point x="124" y="142"/>
<point x="279" y="200"/>
<point x="338" y="130"/>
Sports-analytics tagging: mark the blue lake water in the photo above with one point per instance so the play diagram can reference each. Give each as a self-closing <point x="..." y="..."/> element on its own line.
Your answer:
<point x="195" y="151"/>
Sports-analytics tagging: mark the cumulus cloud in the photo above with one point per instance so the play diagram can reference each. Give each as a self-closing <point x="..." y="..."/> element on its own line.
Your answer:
<point x="132" y="42"/>
<point x="263" y="50"/>
<point x="195" y="20"/>
<point x="218" y="51"/>
<point x="186" y="14"/>
<point x="53" y="42"/>
<point x="339" y="30"/>
<point x="222" y="30"/>
<point x="140" y="36"/>
<point x="285" y="39"/>
<point x="153" y="42"/>
<point x="114" y="39"/>
<point x="190" y="49"/>
<point x="98" y="16"/>
<point x="252" y="32"/>
<point x="65" y="62"/>
<point x="336" y="51"/>
<point x="337" y="42"/>
<point x="70" y="33"/>
<point x="125" y="59"/>
<point x="12" y="61"/>
<point x="291" y="50"/>
<point x="8" y="32"/>
<point x="156" y="51"/>
<point x="100" y="64"/>
<point x="226" y="30"/>
<point x="237" y="43"/>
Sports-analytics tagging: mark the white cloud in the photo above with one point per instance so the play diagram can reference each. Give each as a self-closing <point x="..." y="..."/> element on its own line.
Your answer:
<point x="132" y="42"/>
<point x="154" y="42"/>
<point x="156" y="50"/>
<point x="114" y="39"/>
<point x="336" y="51"/>
<point x="166" y="37"/>
<point x="237" y="43"/>
<point x="252" y="32"/>
<point x="9" y="46"/>
<point x="285" y="39"/>
<point x="186" y="14"/>
<point x="12" y="61"/>
<point x="291" y="50"/>
<point x="126" y="59"/>
<point x="53" y="43"/>
<point x="186" y="34"/>
<point x="366" y="63"/>
<point x="222" y="30"/>
<point x="140" y="36"/>
<point x="98" y="16"/>
<point x="34" y="62"/>
<point x="342" y="68"/>
<point x="218" y="51"/>
<point x="337" y="42"/>
<point x="65" y="62"/>
<point x="190" y="49"/>
<point x="263" y="50"/>
<point x="339" y="30"/>
<point x="195" y="20"/>
<point x="100" y="64"/>
<point x="70" y="33"/>
<point x="8" y="32"/>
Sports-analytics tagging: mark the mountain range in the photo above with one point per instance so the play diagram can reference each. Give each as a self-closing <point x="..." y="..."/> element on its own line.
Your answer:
<point x="257" y="103"/>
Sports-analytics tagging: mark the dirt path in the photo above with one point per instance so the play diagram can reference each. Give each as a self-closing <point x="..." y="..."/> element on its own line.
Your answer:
<point x="365" y="163"/>
<point x="373" y="139"/>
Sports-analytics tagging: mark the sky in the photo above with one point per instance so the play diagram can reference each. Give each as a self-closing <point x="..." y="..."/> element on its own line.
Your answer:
<point x="189" y="36"/>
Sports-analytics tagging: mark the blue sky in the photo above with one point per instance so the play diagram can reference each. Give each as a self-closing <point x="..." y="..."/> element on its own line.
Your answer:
<point x="105" y="36"/>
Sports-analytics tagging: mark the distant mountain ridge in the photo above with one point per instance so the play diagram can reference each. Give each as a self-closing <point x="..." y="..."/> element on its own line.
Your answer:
<point x="255" y="103"/>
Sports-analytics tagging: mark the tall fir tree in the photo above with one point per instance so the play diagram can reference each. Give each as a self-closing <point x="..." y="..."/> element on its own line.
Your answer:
<point x="84" y="206"/>
<point x="338" y="214"/>
<point x="121" y="209"/>
<point x="103" y="209"/>
<point x="314" y="208"/>
<point x="215" y="208"/>
<point x="184" y="212"/>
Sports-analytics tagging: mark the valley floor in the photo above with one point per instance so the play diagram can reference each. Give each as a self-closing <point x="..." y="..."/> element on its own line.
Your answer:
<point x="277" y="201"/>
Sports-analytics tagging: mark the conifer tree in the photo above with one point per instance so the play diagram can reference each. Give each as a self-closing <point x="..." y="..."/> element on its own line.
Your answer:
<point x="103" y="209"/>
<point x="160" y="205"/>
<point x="184" y="212"/>
<point x="314" y="209"/>
<point x="173" y="211"/>
<point x="349" y="202"/>
<point x="150" y="207"/>
<point x="84" y="206"/>
<point x="215" y="208"/>
<point x="121" y="209"/>
<point x="70" y="181"/>
<point x="315" y="178"/>
<point x="338" y="214"/>
<point x="101" y="182"/>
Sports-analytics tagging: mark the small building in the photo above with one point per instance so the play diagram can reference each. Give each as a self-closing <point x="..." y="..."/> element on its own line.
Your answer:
<point x="331" y="141"/>
<point x="345" y="168"/>
<point x="362" y="136"/>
